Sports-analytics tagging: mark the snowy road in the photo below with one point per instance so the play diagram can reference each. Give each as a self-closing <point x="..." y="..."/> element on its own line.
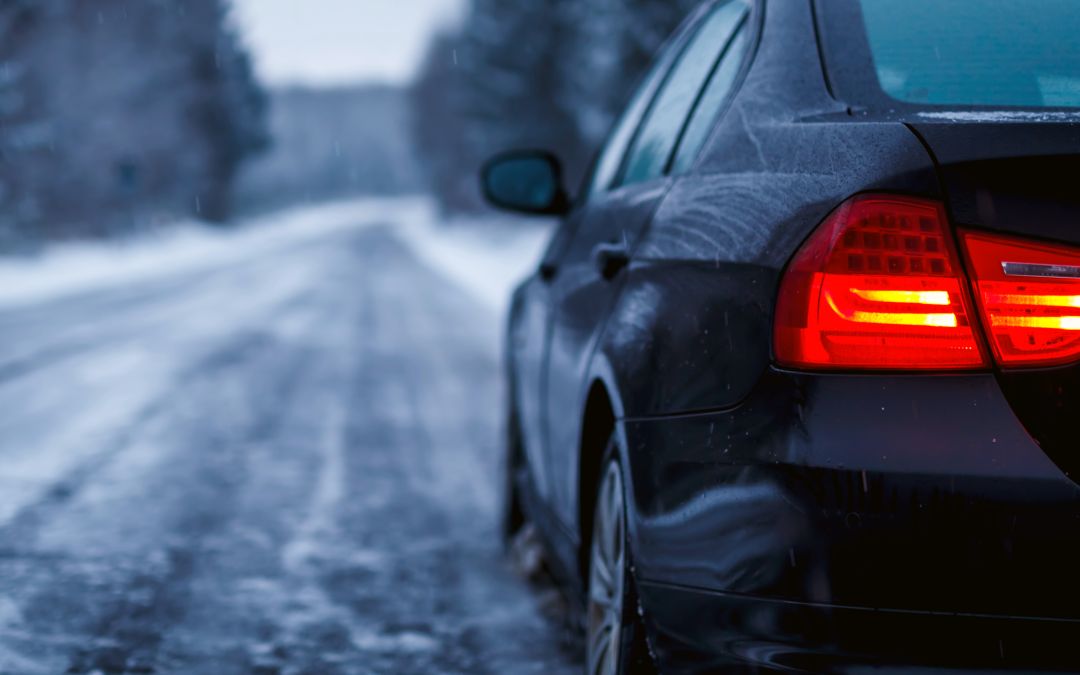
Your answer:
<point x="280" y="462"/>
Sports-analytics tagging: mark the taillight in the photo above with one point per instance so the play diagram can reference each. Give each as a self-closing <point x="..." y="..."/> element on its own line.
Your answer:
<point x="877" y="286"/>
<point x="1029" y="296"/>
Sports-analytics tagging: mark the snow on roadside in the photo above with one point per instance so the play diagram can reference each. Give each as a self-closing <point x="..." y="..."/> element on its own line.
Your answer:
<point x="486" y="256"/>
<point x="73" y="268"/>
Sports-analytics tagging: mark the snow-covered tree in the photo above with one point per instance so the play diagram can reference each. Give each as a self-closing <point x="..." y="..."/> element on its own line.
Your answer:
<point x="119" y="114"/>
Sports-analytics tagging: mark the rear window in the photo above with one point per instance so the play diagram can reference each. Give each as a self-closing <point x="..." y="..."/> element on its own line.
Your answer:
<point x="998" y="53"/>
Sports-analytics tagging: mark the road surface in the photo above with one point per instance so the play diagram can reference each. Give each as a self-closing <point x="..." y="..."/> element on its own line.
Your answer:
<point x="283" y="464"/>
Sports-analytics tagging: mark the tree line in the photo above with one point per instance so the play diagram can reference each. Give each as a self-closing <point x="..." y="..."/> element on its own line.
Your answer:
<point x="116" y="115"/>
<point x="119" y="115"/>
<point x="530" y="73"/>
<point x="332" y="143"/>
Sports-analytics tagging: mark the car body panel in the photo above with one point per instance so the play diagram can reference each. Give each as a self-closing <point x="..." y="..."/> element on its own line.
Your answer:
<point x="689" y="336"/>
<point x="1013" y="176"/>
<point x="1019" y="177"/>
<point x="728" y="500"/>
<point x="582" y="299"/>
<point x="822" y="492"/>
<point x="780" y="159"/>
<point x="695" y="632"/>
<point x="528" y="333"/>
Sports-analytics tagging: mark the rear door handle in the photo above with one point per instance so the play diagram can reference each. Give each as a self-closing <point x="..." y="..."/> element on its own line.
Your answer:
<point x="610" y="258"/>
<point x="548" y="270"/>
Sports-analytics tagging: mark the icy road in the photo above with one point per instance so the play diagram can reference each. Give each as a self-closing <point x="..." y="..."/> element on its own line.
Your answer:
<point x="268" y="452"/>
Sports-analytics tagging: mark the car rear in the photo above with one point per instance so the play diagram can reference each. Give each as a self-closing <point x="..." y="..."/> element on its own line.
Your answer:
<point x="993" y="92"/>
<point x="896" y="491"/>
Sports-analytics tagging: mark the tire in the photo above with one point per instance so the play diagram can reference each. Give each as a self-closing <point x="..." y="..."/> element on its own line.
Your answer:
<point x="513" y="473"/>
<point x="615" y="642"/>
<point x="520" y="540"/>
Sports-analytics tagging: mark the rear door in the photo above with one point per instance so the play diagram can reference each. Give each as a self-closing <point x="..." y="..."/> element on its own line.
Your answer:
<point x="619" y="209"/>
<point x="532" y="325"/>
<point x="528" y="344"/>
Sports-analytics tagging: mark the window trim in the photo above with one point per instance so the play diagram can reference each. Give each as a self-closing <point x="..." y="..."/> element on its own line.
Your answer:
<point x="670" y="50"/>
<point x="743" y="23"/>
<point x="754" y="21"/>
<point x="704" y="12"/>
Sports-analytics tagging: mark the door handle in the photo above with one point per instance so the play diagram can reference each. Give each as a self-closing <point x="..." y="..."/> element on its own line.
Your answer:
<point x="610" y="257"/>
<point x="548" y="270"/>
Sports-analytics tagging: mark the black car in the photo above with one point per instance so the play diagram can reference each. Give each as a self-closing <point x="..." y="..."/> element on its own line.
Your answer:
<point x="795" y="386"/>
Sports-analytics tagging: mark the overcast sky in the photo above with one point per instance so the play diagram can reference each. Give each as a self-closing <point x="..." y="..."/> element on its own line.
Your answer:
<point x="333" y="42"/>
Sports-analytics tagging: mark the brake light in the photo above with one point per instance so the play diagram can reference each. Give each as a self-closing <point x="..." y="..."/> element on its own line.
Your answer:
<point x="878" y="286"/>
<point x="1029" y="296"/>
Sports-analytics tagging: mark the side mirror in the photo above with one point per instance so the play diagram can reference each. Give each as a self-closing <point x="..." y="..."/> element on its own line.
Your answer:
<point x="527" y="181"/>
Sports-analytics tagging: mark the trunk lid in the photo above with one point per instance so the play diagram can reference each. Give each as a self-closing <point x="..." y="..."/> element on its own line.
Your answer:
<point x="1018" y="173"/>
<point x="1011" y="172"/>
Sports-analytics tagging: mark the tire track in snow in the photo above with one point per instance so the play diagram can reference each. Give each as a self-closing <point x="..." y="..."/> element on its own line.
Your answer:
<point x="308" y="489"/>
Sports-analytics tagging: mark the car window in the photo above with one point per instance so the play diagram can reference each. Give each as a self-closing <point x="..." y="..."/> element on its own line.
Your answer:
<point x="970" y="52"/>
<point x="610" y="158"/>
<point x="651" y="149"/>
<point x="716" y="93"/>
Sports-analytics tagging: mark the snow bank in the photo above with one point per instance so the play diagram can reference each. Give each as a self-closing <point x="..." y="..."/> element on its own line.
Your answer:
<point x="486" y="257"/>
<point x="67" y="269"/>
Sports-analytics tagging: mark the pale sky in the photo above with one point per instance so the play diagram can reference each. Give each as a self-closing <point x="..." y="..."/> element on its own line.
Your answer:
<point x="333" y="42"/>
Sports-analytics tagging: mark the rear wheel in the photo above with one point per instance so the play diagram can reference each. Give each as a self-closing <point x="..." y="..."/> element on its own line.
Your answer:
<point x="615" y="637"/>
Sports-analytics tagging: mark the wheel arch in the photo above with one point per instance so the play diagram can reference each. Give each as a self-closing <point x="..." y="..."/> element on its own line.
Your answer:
<point x="598" y="421"/>
<point x="600" y="415"/>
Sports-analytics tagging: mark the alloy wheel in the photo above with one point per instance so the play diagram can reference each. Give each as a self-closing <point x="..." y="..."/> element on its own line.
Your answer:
<point x="607" y="565"/>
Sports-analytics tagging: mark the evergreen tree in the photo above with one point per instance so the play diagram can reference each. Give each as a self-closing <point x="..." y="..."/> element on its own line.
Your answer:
<point x="531" y="73"/>
<point x="120" y="114"/>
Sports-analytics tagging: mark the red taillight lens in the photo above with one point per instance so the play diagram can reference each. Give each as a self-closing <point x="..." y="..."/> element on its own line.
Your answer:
<point x="1029" y="296"/>
<point x="878" y="286"/>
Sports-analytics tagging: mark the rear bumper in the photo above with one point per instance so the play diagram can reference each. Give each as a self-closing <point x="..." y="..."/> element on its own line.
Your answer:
<point x="693" y="631"/>
<point x="825" y="510"/>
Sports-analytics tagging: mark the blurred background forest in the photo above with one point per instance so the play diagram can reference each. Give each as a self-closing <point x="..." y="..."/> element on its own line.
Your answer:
<point x="120" y="116"/>
<point x="531" y="73"/>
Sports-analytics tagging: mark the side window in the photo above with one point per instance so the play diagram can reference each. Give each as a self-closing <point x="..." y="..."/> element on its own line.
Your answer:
<point x="716" y="93"/>
<point x="664" y="121"/>
<point x="610" y="158"/>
